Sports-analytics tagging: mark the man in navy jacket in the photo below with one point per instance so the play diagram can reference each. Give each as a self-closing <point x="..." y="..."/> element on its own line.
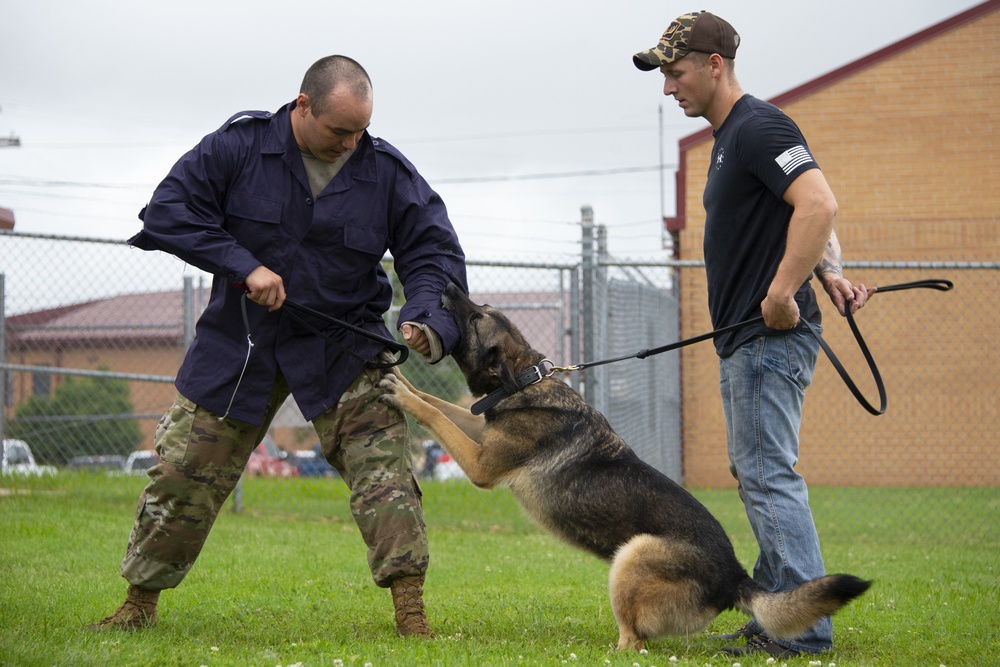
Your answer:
<point x="303" y="202"/>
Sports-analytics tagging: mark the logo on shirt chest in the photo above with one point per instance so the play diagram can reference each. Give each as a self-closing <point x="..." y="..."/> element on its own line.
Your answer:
<point x="719" y="157"/>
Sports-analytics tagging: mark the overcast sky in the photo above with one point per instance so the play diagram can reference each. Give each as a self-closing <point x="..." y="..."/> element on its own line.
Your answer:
<point x="495" y="103"/>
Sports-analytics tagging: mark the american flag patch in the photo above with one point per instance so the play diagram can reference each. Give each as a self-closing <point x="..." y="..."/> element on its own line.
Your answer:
<point x="793" y="158"/>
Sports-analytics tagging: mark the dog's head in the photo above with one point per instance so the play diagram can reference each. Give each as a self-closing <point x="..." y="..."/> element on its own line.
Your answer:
<point x="491" y="352"/>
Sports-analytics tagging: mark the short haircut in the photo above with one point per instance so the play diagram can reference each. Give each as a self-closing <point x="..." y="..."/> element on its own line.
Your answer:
<point x="698" y="57"/>
<point x="328" y="73"/>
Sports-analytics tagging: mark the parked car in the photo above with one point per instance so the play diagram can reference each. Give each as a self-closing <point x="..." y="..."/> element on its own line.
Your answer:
<point x="16" y="458"/>
<point x="447" y="468"/>
<point x="139" y="462"/>
<point x="269" y="460"/>
<point x="438" y="463"/>
<point x="312" y="463"/>
<point x="112" y="462"/>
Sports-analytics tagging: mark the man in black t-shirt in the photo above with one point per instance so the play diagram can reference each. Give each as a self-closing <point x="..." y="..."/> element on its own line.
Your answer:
<point x="769" y="227"/>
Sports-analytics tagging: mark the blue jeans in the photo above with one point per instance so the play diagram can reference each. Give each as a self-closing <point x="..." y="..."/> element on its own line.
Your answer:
<point x="763" y="385"/>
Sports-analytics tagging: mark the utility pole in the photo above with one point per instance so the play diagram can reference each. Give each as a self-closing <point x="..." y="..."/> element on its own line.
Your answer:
<point x="7" y="215"/>
<point x="12" y="141"/>
<point x="587" y="261"/>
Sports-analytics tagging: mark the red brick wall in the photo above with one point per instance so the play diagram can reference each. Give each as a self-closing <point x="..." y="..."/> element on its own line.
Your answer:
<point x="909" y="146"/>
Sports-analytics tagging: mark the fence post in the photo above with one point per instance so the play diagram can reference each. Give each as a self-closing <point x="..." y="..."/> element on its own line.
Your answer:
<point x="3" y="351"/>
<point x="188" y="311"/>
<point x="238" y="497"/>
<point x="599" y="323"/>
<point x="574" y="324"/>
<point x="587" y="267"/>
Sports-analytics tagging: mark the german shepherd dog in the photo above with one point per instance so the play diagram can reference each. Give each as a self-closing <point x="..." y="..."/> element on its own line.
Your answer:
<point x="673" y="569"/>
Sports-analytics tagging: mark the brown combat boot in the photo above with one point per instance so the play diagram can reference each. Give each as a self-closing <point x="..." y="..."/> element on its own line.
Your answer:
<point x="407" y="598"/>
<point x="137" y="612"/>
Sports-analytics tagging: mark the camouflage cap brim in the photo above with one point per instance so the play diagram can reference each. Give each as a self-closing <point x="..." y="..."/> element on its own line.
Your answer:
<point x="657" y="56"/>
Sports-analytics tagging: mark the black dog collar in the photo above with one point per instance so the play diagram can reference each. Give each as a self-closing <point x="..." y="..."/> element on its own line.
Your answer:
<point x="534" y="374"/>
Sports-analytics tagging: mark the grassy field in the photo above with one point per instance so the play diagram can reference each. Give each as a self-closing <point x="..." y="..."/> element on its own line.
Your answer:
<point x="285" y="582"/>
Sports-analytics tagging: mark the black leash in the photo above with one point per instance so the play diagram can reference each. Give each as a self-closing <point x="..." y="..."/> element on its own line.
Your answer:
<point x="942" y="285"/>
<point x="545" y="368"/>
<point x="395" y="346"/>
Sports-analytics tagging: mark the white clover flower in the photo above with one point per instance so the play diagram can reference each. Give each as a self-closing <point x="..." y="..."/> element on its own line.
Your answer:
<point x="214" y="648"/>
<point x="643" y="651"/>
<point x="572" y="656"/>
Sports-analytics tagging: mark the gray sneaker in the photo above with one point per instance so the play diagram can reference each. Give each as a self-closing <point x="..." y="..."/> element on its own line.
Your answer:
<point x="761" y="644"/>
<point x="743" y="633"/>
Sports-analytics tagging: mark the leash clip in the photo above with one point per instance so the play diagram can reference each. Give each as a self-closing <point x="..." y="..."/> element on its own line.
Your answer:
<point x="539" y="373"/>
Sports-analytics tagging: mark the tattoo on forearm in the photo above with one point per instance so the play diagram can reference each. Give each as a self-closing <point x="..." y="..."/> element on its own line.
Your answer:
<point x="831" y="262"/>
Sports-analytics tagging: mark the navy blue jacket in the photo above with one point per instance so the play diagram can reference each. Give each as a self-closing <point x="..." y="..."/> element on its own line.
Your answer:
<point x="241" y="199"/>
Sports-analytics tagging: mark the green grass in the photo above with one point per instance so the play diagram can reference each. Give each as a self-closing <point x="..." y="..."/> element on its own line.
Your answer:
<point x="285" y="582"/>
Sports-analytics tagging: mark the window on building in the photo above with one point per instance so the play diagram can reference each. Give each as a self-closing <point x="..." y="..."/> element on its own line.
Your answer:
<point x="41" y="384"/>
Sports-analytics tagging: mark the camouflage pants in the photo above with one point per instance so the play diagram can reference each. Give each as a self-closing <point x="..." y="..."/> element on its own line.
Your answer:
<point x="202" y="458"/>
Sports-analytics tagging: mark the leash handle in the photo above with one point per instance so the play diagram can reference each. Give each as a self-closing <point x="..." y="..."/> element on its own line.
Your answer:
<point x="932" y="283"/>
<point x="845" y="376"/>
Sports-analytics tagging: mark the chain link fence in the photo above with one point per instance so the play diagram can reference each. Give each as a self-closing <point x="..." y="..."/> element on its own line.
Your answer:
<point x="93" y="333"/>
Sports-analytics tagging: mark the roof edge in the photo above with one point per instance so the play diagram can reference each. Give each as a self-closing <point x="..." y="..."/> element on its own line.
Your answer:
<point x="885" y="53"/>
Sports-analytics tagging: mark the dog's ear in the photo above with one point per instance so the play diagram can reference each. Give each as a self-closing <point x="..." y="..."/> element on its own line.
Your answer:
<point x="507" y="377"/>
<point x="495" y="372"/>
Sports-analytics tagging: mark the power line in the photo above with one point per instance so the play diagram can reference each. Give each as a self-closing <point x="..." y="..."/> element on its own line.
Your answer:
<point x="526" y="133"/>
<point x="534" y="177"/>
<point x="6" y="179"/>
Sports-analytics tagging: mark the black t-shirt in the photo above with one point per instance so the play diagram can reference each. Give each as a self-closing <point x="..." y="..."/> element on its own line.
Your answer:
<point x="758" y="152"/>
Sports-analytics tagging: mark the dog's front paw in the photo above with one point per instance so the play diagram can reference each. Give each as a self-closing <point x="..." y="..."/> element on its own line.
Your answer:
<point x="395" y="390"/>
<point x="390" y="382"/>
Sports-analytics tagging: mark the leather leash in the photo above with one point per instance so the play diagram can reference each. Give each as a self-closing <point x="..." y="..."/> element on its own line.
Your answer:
<point x="393" y="345"/>
<point x="545" y="368"/>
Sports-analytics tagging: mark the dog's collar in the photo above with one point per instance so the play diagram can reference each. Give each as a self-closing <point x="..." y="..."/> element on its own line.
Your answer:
<point x="534" y="374"/>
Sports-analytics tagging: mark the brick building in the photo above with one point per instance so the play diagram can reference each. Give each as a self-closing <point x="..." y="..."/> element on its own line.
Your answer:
<point x="907" y="138"/>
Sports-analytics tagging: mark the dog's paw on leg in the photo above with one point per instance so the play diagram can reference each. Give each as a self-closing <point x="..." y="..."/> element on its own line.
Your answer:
<point x="396" y="392"/>
<point x="390" y="385"/>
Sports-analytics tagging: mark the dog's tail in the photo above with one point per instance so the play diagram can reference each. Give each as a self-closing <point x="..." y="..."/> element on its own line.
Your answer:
<point x="789" y="614"/>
